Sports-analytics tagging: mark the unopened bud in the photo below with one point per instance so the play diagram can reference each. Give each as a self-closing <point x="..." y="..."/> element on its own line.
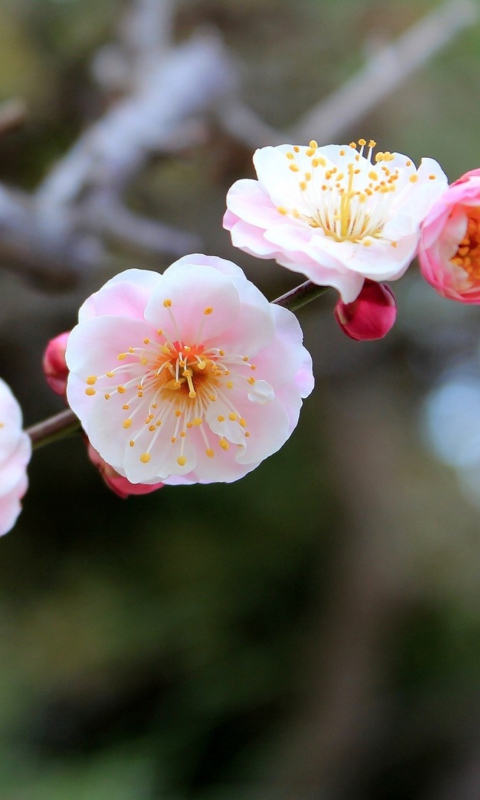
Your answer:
<point x="54" y="364"/>
<point x="371" y="315"/>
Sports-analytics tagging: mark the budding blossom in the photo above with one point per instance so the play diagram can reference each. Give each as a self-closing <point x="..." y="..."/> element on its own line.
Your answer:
<point x="15" y="452"/>
<point x="190" y="376"/>
<point x="449" y="250"/>
<point x="371" y="315"/>
<point x="334" y="213"/>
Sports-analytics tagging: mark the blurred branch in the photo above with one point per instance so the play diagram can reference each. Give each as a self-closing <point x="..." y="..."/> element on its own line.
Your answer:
<point x="60" y="231"/>
<point x="385" y="71"/>
<point x="382" y="74"/>
<point x="110" y="218"/>
<point x="244" y="125"/>
<point x="13" y="114"/>
<point x="53" y="428"/>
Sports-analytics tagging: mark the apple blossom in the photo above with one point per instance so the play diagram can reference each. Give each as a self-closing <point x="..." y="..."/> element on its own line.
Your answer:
<point x="15" y="452"/>
<point x="332" y="214"/>
<point x="449" y="250"/>
<point x="371" y="315"/>
<point x="190" y="376"/>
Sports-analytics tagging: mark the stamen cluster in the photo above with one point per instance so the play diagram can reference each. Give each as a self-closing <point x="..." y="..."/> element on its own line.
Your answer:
<point x="334" y="213"/>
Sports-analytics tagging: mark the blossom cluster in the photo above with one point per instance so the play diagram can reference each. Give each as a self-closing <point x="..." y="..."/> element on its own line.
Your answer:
<point x="193" y="376"/>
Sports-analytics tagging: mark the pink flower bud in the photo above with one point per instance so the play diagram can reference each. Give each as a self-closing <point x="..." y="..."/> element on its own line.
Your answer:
<point x="54" y="364"/>
<point x="371" y="315"/>
<point x="117" y="483"/>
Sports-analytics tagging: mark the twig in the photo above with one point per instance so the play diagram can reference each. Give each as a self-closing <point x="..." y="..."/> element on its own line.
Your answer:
<point x="385" y="71"/>
<point x="58" y="233"/>
<point x="53" y="428"/>
<point x="301" y="295"/>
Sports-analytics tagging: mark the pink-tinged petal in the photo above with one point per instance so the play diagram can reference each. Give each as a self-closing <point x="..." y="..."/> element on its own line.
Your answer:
<point x="435" y="222"/>
<point x="221" y="265"/>
<point x="218" y="419"/>
<point x="193" y="308"/>
<point x="13" y="468"/>
<point x="54" y="364"/>
<point x="10" y="423"/>
<point x="268" y="426"/>
<point x="248" y="200"/>
<point x="120" y="485"/>
<point x="275" y="175"/>
<point x="229" y="220"/>
<point x="124" y="295"/>
<point x="94" y="348"/>
<point x="370" y="316"/>
<point x="222" y="468"/>
<point x="10" y="505"/>
<point x="449" y="248"/>
<point x="346" y="282"/>
<point x="164" y="455"/>
<point x="297" y="377"/>
<point x="380" y="260"/>
<point x="287" y="350"/>
<point x="295" y="237"/>
<point x="252" y="330"/>
<point x="252" y="240"/>
<point x="123" y="488"/>
<point x="101" y="419"/>
<point x="15" y="453"/>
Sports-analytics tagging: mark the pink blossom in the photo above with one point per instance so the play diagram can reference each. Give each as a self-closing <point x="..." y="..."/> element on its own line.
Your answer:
<point x="190" y="376"/>
<point x="449" y="251"/>
<point x="332" y="214"/>
<point x="15" y="452"/>
<point x="371" y="315"/>
<point x="54" y="364"/>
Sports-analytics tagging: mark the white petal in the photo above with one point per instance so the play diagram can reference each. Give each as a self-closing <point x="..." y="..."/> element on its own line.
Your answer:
<point x="190" y="291"/>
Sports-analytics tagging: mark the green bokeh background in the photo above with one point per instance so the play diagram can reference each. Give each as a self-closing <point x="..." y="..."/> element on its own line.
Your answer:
<point x="311" y="632"/>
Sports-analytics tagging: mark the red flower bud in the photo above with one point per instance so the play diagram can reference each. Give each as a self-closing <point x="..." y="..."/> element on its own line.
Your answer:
<point x="54" y="364"/>
<point x="371" y="315"/>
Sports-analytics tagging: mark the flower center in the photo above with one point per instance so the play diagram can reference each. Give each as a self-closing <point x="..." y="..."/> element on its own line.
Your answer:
<point x="468" y="254"/>
<point x="348" y="201"/>
<point x="169" y="383"/>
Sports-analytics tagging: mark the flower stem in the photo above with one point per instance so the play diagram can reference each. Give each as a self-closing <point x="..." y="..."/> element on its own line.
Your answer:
<point x="301" y="295"/>
<point x="53" y="428"/>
